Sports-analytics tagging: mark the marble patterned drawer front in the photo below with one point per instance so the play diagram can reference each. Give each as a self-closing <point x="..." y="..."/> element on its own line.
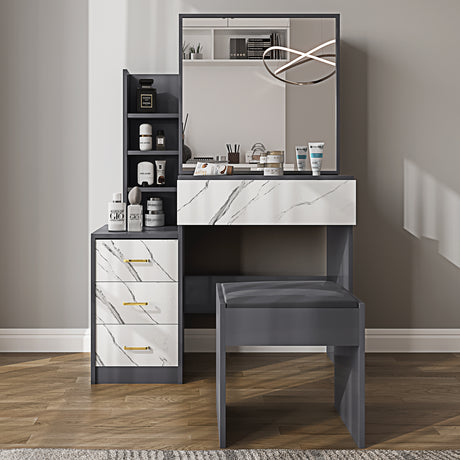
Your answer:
<point x="115" y="345"/>
<point x="137" y="260"/>
<point x="136" y="303"/>
<point x="266" y="202"/>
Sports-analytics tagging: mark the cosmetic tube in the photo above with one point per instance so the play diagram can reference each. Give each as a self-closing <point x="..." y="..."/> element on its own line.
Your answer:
<point x="316" y="156"/>
<point x="160" y="166"/>
<point x="301" y="153"/>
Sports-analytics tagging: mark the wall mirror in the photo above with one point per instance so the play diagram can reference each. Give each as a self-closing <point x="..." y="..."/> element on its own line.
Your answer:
<point x="232" y="95"/>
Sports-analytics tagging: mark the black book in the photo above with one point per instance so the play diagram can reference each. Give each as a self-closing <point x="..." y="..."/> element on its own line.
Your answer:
<point x="237" y="48"/>
<point x="232" y="48"/>
<point x="241" y="48"/>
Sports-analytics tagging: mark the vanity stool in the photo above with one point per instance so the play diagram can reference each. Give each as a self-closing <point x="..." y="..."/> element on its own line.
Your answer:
<point x="296" y="313"/>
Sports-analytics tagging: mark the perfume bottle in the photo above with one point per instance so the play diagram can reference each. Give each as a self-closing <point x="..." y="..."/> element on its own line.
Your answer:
<point x="116" y="214"/>
<point x="135" y="216"/>
<point x="160" y="140"/>
<point x="146" y="96"/>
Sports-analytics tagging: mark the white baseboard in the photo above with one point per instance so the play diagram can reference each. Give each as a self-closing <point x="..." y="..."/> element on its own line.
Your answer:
<point x="203" y="340"/>
<point x="45" y="340"/>
<point x="377" y="341"/>
<point x="413" y="340"/>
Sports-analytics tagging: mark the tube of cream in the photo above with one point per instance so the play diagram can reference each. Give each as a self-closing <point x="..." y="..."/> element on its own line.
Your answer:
<point x="161" y="166"/>
<point x="316" y="156"/>
<point x="301" y="152"/>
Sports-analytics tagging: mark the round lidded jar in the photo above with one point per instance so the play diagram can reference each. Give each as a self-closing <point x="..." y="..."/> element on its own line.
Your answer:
<point x="154" y="219"/>
<point x="273" y="169"/>
<point x="276" y="156"/>
<point x="155" y="204"/>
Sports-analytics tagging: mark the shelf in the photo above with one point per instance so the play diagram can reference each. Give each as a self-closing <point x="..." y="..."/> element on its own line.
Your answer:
<point x="233" y="61"/>
<point x="152" y="115"/>
<point x="156" y="189"/>
<point x="168" y="231"/>
<point x="159" y="153"/>
<point x="246" y="166"/>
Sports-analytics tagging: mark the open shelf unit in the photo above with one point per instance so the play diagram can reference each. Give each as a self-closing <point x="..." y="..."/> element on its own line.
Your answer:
<point x="167" y="119"/>
<point x="214" y="35"/>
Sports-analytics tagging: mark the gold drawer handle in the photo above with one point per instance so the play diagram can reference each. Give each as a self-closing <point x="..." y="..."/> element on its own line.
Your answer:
<point x="128" y="261"/>
<point x="143" y="304"/>
<point x="136" y="348"/>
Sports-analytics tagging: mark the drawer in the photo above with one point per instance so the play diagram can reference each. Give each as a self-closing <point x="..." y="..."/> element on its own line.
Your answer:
<point x="116" y="345"/>
<point x="136" y="303"/>
<point x="137" y="260"/>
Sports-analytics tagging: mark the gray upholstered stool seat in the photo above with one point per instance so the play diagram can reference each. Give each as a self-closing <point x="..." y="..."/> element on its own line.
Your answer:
<point x="287" y="294"/>
<point x="295" y="313"/>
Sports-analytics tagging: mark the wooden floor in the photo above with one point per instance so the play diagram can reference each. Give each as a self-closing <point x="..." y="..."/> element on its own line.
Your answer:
<point x="275" y="401"/>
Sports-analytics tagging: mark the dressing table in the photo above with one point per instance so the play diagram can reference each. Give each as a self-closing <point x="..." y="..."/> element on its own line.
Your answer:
<point x="147" y="287"/>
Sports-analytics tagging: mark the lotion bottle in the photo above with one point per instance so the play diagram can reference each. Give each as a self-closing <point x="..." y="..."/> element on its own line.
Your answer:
<point x="116" y="214"/>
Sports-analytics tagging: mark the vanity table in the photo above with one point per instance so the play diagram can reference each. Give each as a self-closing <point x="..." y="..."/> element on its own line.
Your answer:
<point x="147" y="287"/>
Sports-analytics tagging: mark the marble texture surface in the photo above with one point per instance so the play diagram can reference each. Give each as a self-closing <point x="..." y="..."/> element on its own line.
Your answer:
<point x="266" y="202"/>
<point x="161" y="256"/>
<point x="161" y="340"/>
<point x="161" y="300"/>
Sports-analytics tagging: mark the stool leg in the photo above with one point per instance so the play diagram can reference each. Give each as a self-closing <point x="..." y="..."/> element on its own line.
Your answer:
<point x="220" y="369"/>
<point x="349" y="385"/>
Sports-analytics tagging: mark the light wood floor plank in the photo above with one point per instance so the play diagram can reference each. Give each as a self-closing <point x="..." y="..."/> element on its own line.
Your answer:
<point x="274" y="401"/>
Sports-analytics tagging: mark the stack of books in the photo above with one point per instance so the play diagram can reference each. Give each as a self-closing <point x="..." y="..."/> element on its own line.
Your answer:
<point x="276" y="41"/>
<point x="257" y="46"/>
<point x="254" y="47"/>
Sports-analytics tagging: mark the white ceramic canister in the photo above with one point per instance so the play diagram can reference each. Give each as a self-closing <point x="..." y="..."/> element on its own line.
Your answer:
<point x="276" y="156"/>
<point x="145" y="137"/>
<point x="155" y="204"/>
<point x="154" y="219"/>
<point x="273" y="169"/>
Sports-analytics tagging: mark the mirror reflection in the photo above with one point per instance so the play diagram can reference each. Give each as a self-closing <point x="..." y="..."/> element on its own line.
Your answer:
<point x="234" y="107"/>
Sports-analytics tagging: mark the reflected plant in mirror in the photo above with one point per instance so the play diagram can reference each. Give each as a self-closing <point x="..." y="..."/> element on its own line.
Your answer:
<point x="185" y="48"/>
<point x="195" y="52"/>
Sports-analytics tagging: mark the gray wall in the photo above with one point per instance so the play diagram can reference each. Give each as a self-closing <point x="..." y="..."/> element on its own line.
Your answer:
<point x="44" y="165"/>
<point x="400" y="104"/>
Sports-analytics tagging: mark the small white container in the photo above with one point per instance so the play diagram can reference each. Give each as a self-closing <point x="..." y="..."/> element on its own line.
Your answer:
<point x="275" y="157"/>
<point x="145" y="137"/>
<point x="273" y="169"/>
<point x="155" y="204"/>
<point x="155" y="219"/>
<point x="145" y="173"/>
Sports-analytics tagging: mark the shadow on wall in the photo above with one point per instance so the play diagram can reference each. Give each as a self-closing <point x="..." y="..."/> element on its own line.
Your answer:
<point x="432" y="210"/>
<point x="382" y="251"/>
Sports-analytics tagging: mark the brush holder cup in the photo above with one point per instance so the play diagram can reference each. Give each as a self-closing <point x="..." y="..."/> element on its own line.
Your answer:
<point x="234" y="157"/>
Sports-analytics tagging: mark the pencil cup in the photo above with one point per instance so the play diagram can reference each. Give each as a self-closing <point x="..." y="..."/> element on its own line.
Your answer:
<point x="234" y="157"/>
